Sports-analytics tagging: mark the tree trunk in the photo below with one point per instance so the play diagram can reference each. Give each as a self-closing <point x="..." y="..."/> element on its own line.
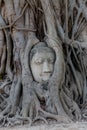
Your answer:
<point x="59" y="27"/>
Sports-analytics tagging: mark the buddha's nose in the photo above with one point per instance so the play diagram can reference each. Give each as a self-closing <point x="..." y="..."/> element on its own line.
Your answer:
<point x="46" y="68"/>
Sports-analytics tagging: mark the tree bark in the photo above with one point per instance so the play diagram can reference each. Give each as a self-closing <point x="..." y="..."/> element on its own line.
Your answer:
<point x="60" y="24"/>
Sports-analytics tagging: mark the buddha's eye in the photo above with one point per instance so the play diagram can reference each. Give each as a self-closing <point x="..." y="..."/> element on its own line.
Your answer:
<point x="39" y="61"/>
<point x="50" y="60"/>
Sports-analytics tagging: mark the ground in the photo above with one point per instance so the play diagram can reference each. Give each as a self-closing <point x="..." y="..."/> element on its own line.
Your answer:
<point x="71" y="126"/>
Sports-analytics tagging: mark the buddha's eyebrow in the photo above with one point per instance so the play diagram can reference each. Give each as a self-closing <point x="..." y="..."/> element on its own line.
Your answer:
<point x="51" y="57"/>
<point x="37" y="59"/>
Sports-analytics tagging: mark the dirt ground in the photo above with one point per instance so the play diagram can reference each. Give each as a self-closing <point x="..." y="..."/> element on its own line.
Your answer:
<point x="71" y="126"/>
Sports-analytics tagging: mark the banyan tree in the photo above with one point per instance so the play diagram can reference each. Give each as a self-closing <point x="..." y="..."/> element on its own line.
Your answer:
<point x="43" y="49"/>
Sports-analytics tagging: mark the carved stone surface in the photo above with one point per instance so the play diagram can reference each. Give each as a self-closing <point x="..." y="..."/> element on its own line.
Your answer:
<point x="42" y="60"/>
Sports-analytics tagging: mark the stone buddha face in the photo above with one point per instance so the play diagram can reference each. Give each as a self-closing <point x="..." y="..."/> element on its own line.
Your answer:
<point x="42" y="62"/>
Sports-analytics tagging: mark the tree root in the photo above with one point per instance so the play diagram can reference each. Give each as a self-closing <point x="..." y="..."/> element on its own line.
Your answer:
<point x="48" y="115"/>
<point x="3" y="105"/>
<point x="40" y="118"/>
<point x="16" y="96"/>
<point x="23" y="119"/>
<point x="68" y="111"/>
<point x="72" y="107"/>
<point x="9" y="55"/>
<point x="2" y="60"/>
<point x="2" y="121"/>
<point x="6" y="110"/>
<point x="12" y="24"/>
<point x="4" y="84"/>
<point x="17" y="120"/>
<point x="9" y="105"/>
<point x="74" y="74"/>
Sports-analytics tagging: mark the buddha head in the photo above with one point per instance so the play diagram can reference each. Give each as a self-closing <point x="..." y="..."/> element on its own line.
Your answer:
<point x="42" y="59"/>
